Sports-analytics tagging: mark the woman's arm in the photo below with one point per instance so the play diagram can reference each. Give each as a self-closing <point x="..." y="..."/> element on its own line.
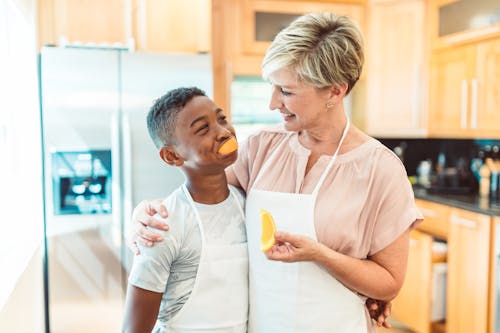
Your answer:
<point x="379" y="276"/>
<point x="141" y="310"/>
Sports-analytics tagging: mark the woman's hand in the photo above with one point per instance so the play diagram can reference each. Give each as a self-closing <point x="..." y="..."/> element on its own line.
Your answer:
<point x="292" y="248"/>
<point x="379" y="311"/>
<point x="142" y="216"/>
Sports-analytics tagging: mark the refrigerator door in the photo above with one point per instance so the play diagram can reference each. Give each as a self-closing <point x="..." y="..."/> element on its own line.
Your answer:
<point x="80" y="110"/>
<point x="145" y="77"/>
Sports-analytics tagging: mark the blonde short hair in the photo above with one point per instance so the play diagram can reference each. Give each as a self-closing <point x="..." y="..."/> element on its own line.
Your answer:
<point x="324" y="50"/>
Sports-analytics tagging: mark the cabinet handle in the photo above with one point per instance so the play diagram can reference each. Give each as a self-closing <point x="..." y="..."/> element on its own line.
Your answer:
<point x="427" y="212"/>
<point x="463" y="222"/>
<point x="473" y="116"/>
<point x="463" y="111"/>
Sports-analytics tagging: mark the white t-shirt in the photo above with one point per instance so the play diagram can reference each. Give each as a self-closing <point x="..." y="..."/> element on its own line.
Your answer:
<point x="170" y="266"/>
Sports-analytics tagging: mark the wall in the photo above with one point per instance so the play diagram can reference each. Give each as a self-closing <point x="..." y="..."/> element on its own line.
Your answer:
<point x="21" y="202"/>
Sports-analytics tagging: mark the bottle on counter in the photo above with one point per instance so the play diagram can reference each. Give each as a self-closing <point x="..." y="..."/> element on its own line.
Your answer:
<point x="484" y="182"/>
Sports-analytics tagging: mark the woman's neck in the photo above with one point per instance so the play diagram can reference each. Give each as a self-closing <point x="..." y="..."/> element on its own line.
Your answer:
<point x="207" y="189"/>
<point x="327" y="134"/>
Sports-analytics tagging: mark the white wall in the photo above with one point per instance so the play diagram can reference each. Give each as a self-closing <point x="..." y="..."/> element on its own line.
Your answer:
<point x="21" y="219"/>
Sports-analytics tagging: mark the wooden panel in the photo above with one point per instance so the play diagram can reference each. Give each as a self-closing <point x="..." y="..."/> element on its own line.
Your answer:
<point x="486" y="108"/>
<point x="173" y="26"/>
<point x="450" y="92"/>
<point x="87" y="21"/>
<point x="468" y="264"/>
<point x="436" y="220"/>
<point x="493" y="308"/>
<point x="251" y="46"/>
<point x="412" y="306"/>
<point x="396" y="69"/>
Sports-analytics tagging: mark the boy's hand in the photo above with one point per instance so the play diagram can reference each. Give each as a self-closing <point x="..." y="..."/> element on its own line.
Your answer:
<point x="379" y="311"/>
<point x="143" y="216"/>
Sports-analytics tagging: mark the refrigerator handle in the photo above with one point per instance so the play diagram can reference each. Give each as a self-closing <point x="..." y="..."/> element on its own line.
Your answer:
<point x="126" y="163"/>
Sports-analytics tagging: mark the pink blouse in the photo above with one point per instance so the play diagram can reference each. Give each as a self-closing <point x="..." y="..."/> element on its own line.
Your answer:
<point x="365" y="203"/>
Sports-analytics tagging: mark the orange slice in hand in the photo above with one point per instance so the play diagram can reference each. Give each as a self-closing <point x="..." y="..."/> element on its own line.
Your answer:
<point x="229" y="146"/>
<point x="268" y="230"/>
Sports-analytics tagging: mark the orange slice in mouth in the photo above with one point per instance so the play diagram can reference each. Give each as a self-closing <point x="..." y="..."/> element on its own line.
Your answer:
<point x="268" y="230"/>
<point x="229" y="146"/>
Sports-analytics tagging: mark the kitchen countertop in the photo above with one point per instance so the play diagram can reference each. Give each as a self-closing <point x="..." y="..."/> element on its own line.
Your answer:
<point x="470" y="202"/>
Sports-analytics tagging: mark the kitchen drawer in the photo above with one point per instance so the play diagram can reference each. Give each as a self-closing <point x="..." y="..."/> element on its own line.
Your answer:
<point x="436" y="221"/>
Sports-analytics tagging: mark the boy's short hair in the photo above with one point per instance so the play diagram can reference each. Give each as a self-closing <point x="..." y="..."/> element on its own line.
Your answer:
<point x="162" y="115"/>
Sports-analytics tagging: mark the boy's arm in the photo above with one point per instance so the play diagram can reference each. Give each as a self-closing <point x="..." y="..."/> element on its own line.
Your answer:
<point x="141" y="310"/>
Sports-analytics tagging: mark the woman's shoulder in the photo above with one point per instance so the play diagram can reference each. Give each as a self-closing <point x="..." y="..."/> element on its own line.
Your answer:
<point x="267" y="137"/>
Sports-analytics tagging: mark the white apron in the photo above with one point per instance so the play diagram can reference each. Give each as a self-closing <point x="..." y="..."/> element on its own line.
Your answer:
<point x="219" y="300"/>
<point x="295" y="297"/>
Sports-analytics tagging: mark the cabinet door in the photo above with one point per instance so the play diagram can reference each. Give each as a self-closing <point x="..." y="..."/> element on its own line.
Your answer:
<point x="435" y="218"/>
<point x="90" y="21"/>
<point x="263" y="19"/>
<point x="449" y="92"/>
<point x="412" y="306"/>
<point x="468" y="264"/>
<point x="395" y="68"/>
<point x="494" y="297"/>
<point x="485" y="103"/>
<point x="173" y="26"/>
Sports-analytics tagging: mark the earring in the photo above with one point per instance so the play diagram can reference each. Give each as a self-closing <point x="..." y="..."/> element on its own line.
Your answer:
<point x="329" y="105"/>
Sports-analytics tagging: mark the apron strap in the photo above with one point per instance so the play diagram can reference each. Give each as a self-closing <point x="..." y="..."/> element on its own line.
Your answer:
<point x="332" y="160"/>
<point x="195" y="210"/>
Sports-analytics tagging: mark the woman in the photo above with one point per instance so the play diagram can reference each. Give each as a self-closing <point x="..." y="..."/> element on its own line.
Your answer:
<point x="342" y="197"/>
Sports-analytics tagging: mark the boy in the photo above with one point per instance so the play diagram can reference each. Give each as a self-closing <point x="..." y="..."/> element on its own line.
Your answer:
<point x="197" y="278"/>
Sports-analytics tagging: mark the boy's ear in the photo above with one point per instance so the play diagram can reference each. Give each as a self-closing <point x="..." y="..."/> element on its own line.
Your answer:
<point x="171" y="156"/>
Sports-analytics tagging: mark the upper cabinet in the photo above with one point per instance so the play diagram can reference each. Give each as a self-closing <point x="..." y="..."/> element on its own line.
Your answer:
<point x="154" y="25"/>
<point x="464" y="91"/>
<point x="454" y="22"/>
<point x="172" y="25"/>
<point x="396" y="69"/>
<point x="91" y="21"/>
<point x="262" y="20"/>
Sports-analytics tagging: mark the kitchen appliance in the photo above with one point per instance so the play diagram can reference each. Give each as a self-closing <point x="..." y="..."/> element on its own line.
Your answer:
<point x="100" y="162"/>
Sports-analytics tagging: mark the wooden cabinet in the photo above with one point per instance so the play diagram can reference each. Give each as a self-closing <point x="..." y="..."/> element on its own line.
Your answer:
<point x="456" y="22"/>
<point x="449" y="89"/>
<point x="468" y="301"/>
<point x="172" y="26"/>
<point x="94" y="21"/>
<point x="494" y="285"/>
<point x="435" y="218"/>
<point x="263" y="19"/>
<point x="154" y="25"/>
<point x="412" y="306"/>
<point x="464" y="91"/>
<point x="396" y="69"/>
<point x="468" y="268"/>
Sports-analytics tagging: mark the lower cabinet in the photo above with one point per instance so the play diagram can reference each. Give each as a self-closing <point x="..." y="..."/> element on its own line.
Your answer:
<point x="468" y="260"/>
<point x="468" y="268"/>
<point x="413" y="304"/>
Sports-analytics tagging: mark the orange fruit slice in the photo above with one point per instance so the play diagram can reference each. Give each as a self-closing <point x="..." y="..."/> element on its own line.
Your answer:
<point x="268" y="230"/>
<point x="229" y="146"/>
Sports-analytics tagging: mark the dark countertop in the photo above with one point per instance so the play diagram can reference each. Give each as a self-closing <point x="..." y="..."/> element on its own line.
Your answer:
<point x="470" y="202"/>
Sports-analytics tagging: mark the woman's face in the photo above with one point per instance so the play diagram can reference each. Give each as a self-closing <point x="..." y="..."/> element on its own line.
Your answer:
<point x="302" y="105"/>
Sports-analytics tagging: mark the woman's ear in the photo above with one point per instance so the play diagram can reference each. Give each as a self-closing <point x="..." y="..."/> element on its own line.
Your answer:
<point x="337" y="92"/>
<point x="171" y="156"/>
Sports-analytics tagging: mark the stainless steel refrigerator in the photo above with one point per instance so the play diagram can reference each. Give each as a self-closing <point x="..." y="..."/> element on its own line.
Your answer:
<point x="99" y="163"/>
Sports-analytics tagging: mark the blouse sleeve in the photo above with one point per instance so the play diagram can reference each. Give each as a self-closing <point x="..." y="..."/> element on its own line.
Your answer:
<point x="396" y="210"/>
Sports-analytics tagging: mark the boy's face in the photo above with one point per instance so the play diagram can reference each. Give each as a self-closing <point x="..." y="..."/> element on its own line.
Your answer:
<point x="200" y="129"/>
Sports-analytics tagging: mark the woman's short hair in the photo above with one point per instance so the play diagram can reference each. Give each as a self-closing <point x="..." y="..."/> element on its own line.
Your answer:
<point x="323" y="49"/>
